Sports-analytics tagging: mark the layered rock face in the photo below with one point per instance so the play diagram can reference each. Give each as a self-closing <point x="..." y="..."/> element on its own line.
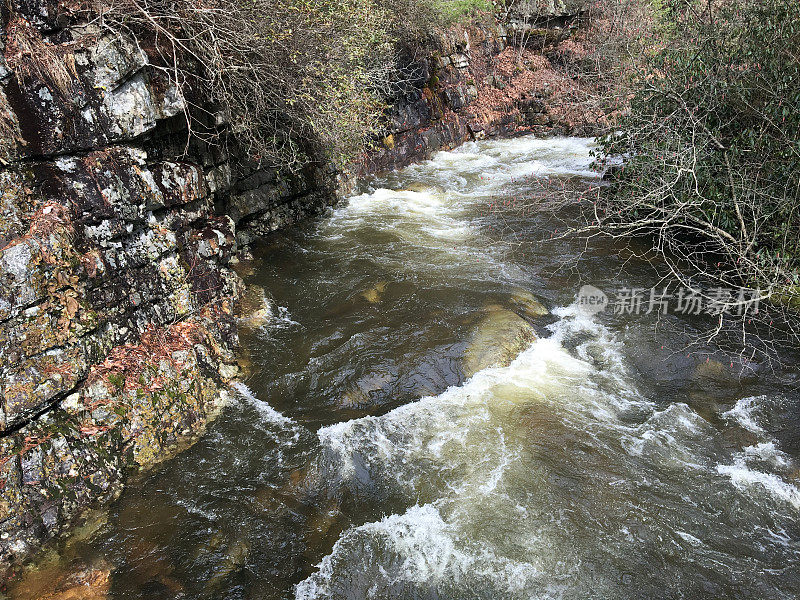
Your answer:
<point x="489" y="81"/>
<point x="117" y="236"/>
<point x="117" y="296"/>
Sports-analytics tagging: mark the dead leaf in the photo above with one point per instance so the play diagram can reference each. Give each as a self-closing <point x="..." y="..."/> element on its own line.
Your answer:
<point x="72" y="307"/>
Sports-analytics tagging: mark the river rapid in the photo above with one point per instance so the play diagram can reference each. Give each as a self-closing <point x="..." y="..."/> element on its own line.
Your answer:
<point x="359" y="460"/>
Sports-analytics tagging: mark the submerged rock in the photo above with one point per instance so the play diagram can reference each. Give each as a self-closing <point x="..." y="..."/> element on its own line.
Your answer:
<point x="323" y="528"/>
<point x="498" y="338"/>
<point x="57" y="581"/>
<point x="233" y="560"/>
<point x="528" y="304"/>
<point x="361" y="395"/>
<point x="255" y="310"/>
<point x="712" y="371"/>
<point x="418" y="186"/>
<point x="373" y="295"/>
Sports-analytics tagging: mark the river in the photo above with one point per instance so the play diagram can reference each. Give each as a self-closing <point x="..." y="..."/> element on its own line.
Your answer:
<point x="615" y="457"/>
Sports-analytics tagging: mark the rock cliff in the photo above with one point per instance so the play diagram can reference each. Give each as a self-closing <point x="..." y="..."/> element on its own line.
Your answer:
<point x="118" y="235"/>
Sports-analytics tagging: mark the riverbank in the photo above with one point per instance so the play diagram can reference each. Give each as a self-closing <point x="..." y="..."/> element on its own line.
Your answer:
<point x="121" y="231"/>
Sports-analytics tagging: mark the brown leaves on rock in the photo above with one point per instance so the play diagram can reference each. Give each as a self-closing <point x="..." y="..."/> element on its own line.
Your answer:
<point x="125" y="365"/>
<point x="90" y="430"/>
<point x="49" y="219"/>
<point x="29" y="443"/>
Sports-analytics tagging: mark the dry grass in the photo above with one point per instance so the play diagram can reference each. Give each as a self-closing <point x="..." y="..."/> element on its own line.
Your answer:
<point x="29" y="56"/>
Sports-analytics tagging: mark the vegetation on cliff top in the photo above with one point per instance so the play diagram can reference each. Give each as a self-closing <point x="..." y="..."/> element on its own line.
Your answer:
<point x="292" y="77"/>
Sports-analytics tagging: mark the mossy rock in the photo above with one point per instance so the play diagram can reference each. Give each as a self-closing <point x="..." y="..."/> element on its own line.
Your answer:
<point x="63" y="580"/>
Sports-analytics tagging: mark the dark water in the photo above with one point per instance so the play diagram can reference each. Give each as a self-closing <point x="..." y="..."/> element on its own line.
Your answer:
<point x="604" y="462"/>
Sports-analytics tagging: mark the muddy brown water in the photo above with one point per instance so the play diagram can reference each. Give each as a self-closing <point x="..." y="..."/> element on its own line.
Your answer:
<point x="358" y="461"/>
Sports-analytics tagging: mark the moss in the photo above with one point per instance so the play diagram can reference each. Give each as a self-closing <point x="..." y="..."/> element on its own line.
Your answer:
<point x="117" y="380"/>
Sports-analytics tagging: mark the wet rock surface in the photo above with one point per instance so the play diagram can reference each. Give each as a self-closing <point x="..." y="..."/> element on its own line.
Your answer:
<point x="117" y="324"/>
<point x="465" y="89"/>
<point x="497" y="339"/>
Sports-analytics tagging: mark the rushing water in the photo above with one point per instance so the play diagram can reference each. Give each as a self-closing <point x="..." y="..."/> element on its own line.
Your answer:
<point x="606" y="461"/>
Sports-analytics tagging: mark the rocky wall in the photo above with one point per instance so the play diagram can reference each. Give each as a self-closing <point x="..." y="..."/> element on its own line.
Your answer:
<point x="117" y="295"/>
<point x="479" y="82"/>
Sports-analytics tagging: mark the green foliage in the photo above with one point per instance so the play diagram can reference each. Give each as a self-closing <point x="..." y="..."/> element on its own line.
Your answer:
<point x="713" y="134"/>
<point x="664" y="18"/>
<point x="452" y="11"/>
<point x="117" y="380"/>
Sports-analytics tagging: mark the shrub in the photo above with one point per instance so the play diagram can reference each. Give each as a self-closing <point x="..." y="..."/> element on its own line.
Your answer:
<point x="712" y="141"/>
<point x="451" y="11"/>
<point x="293" y="77"/>
<point x="287" y="73"/>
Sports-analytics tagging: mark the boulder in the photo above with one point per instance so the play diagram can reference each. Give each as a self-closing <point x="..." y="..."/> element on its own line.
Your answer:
<point x="498" y="338"/>
<point x="525" y="302"/>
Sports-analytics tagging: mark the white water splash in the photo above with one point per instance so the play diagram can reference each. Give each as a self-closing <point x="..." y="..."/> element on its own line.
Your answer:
<point x="752" y="481"/>
<point x="747" y="471"/>
<point x="425" y="552"/>
<point x="268" y="413"/>
<point x="524" y="476"/>
<point x="744" y="413"/>
<point x="461" y="449"/>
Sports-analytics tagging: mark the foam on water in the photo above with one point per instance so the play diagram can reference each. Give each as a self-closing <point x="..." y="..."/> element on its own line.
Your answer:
<point x="769" y="453"/>
<point x="448" y="429"/>
<point x="426" y="553"/>
<point x="282" y="319"/>
<point x="268" y="413"/>
<point x="744" y="413"/>
<point x="435" y="230"/>
<point x="459" y="452"/>
<point x="465" y="457"/>
<point x="748" y="471"/>
<point x="756" y="482"/>
<point x="519" y="482"/>
<point x="476" y="169"/>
